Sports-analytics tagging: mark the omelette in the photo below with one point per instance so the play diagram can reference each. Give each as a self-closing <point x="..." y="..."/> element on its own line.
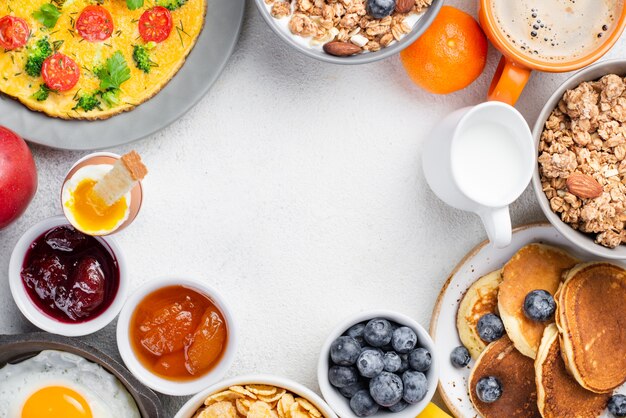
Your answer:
<point x="93" y="59"/>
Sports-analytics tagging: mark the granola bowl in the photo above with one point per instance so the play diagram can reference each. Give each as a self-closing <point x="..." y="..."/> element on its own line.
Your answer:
<point x="311" y="25"/>
<point x="580" y="176"/>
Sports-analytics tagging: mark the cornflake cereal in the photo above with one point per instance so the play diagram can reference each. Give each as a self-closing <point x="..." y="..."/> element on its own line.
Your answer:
<point x="582" y="159"/>
<point x="257" y="401"/>
<point x="346" y="21"/>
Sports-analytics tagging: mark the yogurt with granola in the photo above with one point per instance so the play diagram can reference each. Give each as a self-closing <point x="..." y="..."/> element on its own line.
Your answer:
<point x="316" y="23"/>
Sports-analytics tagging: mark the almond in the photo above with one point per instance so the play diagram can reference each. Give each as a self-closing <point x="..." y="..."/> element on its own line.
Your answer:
<point x="341" y="49"/>
<point x="583" y="186"/>
<point x="404" y="6"/>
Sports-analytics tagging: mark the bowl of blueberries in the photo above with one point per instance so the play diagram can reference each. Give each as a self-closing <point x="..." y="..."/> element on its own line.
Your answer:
<point x="379" y="363"/>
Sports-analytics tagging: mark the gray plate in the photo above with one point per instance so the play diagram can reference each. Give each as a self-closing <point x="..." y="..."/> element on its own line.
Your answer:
<point x="16" y="348"/>
<point x="204" y="64"/>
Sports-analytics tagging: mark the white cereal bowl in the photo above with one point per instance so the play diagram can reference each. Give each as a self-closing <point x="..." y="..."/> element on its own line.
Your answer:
<point x="583" y="241"/>
<point x="339" y="403"/>
<point x="41" y="319"/>
<point x="191" y="407"/>
<point x="165" y="386"/>
<point x="363" y="58"/>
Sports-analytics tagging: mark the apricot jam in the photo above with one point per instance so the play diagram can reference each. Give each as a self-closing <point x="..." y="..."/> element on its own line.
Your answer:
<point x="70" y="276"/>
<point x="178" y="333"/>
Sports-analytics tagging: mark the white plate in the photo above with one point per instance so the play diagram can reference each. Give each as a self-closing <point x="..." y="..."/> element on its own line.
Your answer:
<point x="484" y="258"/>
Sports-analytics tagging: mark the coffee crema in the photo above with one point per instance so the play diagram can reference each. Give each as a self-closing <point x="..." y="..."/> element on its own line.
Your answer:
<point x="556" y="30"/>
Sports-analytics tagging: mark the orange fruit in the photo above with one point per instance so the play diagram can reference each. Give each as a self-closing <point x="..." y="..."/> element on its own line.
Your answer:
<point x="449" y="56"/>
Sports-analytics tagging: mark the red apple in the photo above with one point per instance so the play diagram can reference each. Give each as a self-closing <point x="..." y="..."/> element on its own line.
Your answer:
<point x="18" y="176"/>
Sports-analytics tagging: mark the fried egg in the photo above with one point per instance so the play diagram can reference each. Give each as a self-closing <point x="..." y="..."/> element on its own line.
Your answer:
<point x="81" y="211"/>
<point x="56" y="384"/>
<point x="165" y="57"/>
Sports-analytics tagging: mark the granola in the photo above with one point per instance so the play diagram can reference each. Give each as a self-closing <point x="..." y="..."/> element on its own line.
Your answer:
<point x="325" y="21"/>
<point x="586" y="134"/>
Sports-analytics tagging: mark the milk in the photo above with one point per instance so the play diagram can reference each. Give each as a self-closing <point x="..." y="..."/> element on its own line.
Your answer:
<point x="487" y="161"/>
<point x="556" y="30"/>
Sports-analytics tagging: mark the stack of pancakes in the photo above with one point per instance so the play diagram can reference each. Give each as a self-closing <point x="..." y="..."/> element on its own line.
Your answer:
<point x="567" y="367"/>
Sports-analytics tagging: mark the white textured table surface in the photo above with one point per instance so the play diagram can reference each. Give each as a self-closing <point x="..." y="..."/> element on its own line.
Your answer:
<point x="295" y="188"/>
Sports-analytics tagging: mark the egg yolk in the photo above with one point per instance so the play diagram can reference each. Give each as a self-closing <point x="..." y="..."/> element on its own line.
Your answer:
<point x="56" y="402"/>
<point x="90" y="211"/>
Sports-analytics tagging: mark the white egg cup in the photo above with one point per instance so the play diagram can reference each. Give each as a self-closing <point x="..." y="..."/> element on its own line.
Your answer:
<point x="39" y="318"/>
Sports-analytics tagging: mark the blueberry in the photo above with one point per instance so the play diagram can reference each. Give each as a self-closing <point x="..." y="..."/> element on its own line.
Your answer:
<point x="420" y="359"/>
<point x="356" y="332"/>
<point x="539" y="305"/>
<point x="350" y="391"/>
<point x="378" y="332"/>
<point x="386" y="389"/>
<point x="617" y="405"/>
<point x="460" y="357"/>
<point x="400" y="406"/>
<point x="370" y="363"/>
<point x="489" y="389"/>
<point x="379" y="9"/>
<point x="404" y="365"/>
<point x="392" y="361"/>
<point x="415" y="386"/>
<point x="344" y="351"/>
<point x="404" y="340"/>
<point x="490" y="328"/>
<point x="363" y="405"/>
<point x="378" y="350"/>
<point x="342" y="376"/>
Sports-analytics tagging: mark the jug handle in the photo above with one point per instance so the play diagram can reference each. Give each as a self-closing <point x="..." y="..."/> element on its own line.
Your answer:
<point x="508" y="82"/>
<point x="498" y="225"/>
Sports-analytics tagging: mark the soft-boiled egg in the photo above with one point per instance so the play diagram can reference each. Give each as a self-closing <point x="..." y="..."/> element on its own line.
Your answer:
<point x="85" y="211"/>
<point x="56" y="384"/>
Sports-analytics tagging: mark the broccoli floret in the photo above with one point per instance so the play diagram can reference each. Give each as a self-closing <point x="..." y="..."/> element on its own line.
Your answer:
<point x="42" y="94"/>
<point x="36" y="55"/>
<point x="87" y="102"/>
<point x="171" y="4"/>
<point x="141" y="56"/>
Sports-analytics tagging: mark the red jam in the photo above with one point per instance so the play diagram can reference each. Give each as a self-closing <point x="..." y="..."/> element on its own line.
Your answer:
<point x="70" y="276"/>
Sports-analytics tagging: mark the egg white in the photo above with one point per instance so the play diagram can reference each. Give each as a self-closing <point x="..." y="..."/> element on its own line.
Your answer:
<point x="93" y="172"/>
<point x="104" y="393"/>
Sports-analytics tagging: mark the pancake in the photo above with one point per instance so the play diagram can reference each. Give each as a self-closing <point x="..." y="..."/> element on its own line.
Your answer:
<point x="165" y="57"/>
<point x="517" y="375"/>
<point x="481" y="298"/>
<point x="533" y="267"/>
<point x="591" y="317"/>
<point x="558" y="393"/>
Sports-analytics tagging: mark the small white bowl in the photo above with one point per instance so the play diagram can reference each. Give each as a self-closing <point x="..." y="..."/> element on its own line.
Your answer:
<point x="41" y="319"/>
<point x="339" y="403"/>
<point x="583" y="241"/>
<point x="171" y="387"/>
<point x="191" y="407"/>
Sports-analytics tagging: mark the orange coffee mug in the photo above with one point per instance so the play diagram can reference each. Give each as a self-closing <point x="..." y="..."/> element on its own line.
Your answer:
<point x="515" y="67"/>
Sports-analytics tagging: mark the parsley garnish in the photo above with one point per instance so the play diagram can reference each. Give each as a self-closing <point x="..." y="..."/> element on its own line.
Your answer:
<point x="114" y="72"/>
<point x="134" y="4"/>
<point x="47" y="15"/>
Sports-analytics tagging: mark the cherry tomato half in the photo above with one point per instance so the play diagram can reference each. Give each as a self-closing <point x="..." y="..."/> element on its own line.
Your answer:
<point x="14" y="32"/>
<point x="60" y="72"/>
<point x="95" y="24"/>
<point x="155" y="25"/>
